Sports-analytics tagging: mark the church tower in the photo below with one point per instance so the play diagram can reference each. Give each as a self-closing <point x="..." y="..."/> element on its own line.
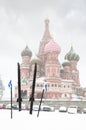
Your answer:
<point x="25" y="65"/>
<point x="73" y="58"/>
<point x="46" y="38"/>
<point x="25" y="71"/>
<point x="52" y="65"/>
<point x="35" y="59"/>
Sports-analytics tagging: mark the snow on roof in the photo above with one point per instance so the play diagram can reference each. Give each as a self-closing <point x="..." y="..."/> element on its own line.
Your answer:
<point x="67" y="80"/>
<point x="40" y="80"/>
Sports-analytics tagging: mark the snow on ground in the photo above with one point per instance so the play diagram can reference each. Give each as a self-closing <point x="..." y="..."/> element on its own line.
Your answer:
<point x="46" y="121"/>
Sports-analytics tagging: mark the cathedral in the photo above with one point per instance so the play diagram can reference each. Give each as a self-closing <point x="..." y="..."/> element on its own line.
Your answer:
<point x="62" y="80"/>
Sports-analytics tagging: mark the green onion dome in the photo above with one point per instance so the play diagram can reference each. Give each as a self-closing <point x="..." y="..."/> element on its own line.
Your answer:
<point x="71" y="55"/>
<point x="66" y="63"/>
<point x="26" y="52"/>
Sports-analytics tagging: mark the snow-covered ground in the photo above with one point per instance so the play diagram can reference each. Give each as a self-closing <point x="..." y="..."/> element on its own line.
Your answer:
<point x="46" y="121"/>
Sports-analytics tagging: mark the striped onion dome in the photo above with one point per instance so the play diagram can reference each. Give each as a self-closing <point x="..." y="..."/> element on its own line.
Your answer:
<point x="66" y="63"/>
<point x="71" y="55"/>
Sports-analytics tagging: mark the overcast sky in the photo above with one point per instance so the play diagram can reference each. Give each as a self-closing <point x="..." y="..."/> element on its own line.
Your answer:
<point x="22" y="22"/>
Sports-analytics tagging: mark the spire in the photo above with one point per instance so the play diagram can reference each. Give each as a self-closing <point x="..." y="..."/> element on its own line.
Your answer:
<point x="47" y="34"/>
<point x="46" y="37"/>
<point x="47" y="24"/>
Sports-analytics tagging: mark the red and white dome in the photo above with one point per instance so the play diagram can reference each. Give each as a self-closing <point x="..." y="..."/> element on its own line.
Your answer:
<point x="52" y="46"/>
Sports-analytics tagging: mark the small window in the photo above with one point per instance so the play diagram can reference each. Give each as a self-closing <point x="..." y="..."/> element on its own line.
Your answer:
<point x="55" y="85"/>
<point x="52" y="85"/>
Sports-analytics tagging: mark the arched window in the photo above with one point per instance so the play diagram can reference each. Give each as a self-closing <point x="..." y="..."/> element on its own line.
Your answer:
<point x="59" y="86"/>
<point x="52" y="85"/>
<point x="48" y="71"/>
<point x="23" y="93"/>
<point x="53" y="71"/>
<point x="55" y="85"/>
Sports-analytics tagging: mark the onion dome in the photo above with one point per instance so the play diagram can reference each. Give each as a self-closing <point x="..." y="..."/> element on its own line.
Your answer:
<point x="71" y="55"/>
<point x="66" y="63"/>
<point x="26" y="52"/>
<point x="52" y="46"/>
<point x="35" y="59"/>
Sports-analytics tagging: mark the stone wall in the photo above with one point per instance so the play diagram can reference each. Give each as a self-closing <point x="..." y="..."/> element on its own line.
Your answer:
<point x="54" y="103"/>
<point x="57" y="104"/>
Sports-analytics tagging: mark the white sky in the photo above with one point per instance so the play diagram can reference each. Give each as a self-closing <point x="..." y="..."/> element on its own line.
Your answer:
<point x="22" y="22"/>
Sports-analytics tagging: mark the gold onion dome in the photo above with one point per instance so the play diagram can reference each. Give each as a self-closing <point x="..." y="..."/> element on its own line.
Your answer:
<point x="35" y="59"/>
<point x="26" y="52"/>
<point x="71" y="55"/>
